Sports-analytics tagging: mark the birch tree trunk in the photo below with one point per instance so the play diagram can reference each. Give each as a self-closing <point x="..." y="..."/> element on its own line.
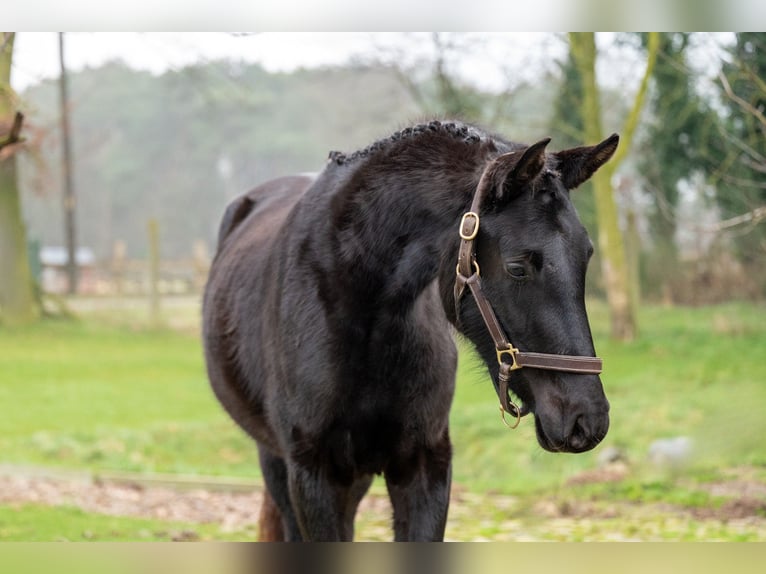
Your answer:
<point x="614" y="264"/>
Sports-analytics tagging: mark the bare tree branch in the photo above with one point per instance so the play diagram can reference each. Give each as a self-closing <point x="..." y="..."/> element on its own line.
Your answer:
<point x="752" y="217"/>
<point x="392" y="59"/>
<point x="744" y="104"/>
<point x="756" y="215"/>
<point x="412" y="89"/>
<point x="631" y="122"/>
<point x="502" y="101"/>
<point x="15" y="133"/>
<point x="742" y="145"/>
<point x="743" y="182"/>
<point x="18" y="120"/>
<point x="759" y="167"/>
<point x="757" y="80"/>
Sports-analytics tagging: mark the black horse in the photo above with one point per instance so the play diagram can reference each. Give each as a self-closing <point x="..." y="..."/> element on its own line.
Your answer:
<point x="328" y="309"/>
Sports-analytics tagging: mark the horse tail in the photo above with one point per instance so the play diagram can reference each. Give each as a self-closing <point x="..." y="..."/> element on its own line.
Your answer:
<point x="270" y="521"/>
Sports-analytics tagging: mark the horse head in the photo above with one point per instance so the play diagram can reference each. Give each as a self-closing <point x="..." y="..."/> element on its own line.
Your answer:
<point x="532" y="253"/>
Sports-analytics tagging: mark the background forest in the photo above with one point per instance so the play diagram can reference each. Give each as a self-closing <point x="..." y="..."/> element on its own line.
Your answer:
<point x="179" y="145"/>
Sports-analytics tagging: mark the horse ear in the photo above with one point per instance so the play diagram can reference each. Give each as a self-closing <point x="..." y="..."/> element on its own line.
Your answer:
<point x="578" y="164"/>
<point x="516" y="169"/>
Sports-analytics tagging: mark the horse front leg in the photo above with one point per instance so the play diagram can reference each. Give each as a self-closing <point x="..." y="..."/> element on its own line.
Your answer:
<point x="319" y="510"/>
<point x="419" y="487"/>
<point x="325" y="509"/>
<point x="276" y="497"/>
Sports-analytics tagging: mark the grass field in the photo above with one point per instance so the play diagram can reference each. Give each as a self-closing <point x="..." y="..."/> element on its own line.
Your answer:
<point x="99" y="396"/>
<point x="35" y="523"/>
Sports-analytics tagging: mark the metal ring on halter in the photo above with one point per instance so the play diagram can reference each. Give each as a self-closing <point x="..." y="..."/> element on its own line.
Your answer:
<point x="517" y="415"/>
<point x="476" y="268"/>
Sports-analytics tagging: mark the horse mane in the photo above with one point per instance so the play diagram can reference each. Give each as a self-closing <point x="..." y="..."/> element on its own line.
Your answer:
<point x="457" y="130"/>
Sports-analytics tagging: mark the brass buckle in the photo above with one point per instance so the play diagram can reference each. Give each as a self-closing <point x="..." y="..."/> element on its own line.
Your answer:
<point x="511" y="350"/>
<point x="475" y="231"/>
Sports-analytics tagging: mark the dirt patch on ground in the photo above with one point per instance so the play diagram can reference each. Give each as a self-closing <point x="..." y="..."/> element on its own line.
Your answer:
<point x="233" y="511"/>
<point x="737" y="509"/>
<point x="614" y="472"/>
<point x="737" y="488"/>
<point x="472" y="516"/>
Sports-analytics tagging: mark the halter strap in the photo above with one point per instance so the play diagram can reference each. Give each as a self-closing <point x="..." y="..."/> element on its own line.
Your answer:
<point x="509" y="358"/>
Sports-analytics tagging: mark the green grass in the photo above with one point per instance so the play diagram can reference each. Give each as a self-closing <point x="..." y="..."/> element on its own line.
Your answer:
<point x="33" y="523"/>
<point x="650" y="491"/>
<point x="89" y="395"/>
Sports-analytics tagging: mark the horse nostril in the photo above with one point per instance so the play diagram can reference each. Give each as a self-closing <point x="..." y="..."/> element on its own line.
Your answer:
<point x="587" y="431"/>
<point x="579" y="438"/>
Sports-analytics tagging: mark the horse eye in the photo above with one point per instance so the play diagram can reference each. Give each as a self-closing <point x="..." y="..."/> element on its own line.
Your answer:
<point x="517" y="270"/>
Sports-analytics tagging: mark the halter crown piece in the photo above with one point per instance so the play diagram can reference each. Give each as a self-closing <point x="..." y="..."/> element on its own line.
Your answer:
<point x="509" y="357"/>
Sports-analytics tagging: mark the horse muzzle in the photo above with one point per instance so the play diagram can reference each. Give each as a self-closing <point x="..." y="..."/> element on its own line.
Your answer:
<point x="572" y="424"/>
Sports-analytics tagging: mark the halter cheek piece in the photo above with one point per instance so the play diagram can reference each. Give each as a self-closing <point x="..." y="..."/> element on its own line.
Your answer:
<point x="509" y="358"/>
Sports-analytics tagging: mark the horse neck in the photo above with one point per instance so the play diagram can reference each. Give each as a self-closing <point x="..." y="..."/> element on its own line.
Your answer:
<point x="394" y="228"/>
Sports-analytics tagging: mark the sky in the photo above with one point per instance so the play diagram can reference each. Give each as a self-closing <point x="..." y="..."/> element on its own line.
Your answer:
<point x="36" y="54"/>
<point x="402" y="15"/>
<point x="491" y="61"/>
<point x="487" y="64"/>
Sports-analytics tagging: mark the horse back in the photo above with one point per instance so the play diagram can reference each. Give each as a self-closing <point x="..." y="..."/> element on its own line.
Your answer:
<point x="278" y="194"/>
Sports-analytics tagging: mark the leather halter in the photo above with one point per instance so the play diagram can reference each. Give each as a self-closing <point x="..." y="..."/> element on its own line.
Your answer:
<point x="508" y="357"/>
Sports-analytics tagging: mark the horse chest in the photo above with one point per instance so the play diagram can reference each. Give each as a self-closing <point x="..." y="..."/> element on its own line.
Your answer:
<point x="364" y="443"/>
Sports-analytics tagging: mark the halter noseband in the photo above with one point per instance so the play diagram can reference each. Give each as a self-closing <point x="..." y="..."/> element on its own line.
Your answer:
<point x="509" y="358"/>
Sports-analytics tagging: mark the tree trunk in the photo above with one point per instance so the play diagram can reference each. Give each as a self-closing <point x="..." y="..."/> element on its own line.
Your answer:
<point x="633" y="253"/>
<point x="623" y="302"/>
<point x="610" y="239"/>
<point x="17" y="301"/>
<point x="68" y="203"/>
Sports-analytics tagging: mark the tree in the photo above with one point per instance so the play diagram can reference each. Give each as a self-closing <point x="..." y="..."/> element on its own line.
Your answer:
<point x="567" y="130"/>
<point x="429" y="80"/>
<point x="69" y="205"/>
<point x="672" y="151"/>
<point x="148" y="145"/>
<point x="741" y="157"/>
<point x="17" y="301"/>
<point x="610" y="238"/>
<point x="434" y="83"/>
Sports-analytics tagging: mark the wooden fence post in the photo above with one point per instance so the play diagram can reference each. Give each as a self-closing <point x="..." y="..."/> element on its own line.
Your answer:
<point x="119" y="255"/>
<point x="154" y="271"/>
